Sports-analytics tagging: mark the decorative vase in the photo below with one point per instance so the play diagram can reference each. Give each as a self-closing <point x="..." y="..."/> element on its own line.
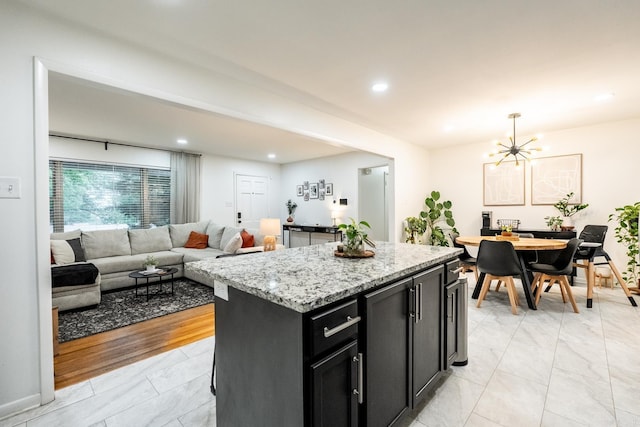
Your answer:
<point x="151" y="268"/>
<point x="290" y="219"/>
<point x="567" y="222"/>
<point x="354" y="247"/>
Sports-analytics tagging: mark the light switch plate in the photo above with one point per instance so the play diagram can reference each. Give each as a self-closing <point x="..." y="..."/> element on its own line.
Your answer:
<point x="9" y="187"/>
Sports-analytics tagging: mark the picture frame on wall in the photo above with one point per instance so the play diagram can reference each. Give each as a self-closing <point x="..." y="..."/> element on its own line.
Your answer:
<point x="321" y="184"/>
<point x="552" y="178"/>
<point x="321" y="194"/>
<point x="328" y="189"/>
<point x="305" y="185"/>
<point x="313" y="190"/>
<point x="306" y="195"/>
<point x="299" y="191"/>
<point x="503" y="184"/>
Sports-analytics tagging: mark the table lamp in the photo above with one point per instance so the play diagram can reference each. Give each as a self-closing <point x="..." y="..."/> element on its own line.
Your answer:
<point x="270" y="228"/>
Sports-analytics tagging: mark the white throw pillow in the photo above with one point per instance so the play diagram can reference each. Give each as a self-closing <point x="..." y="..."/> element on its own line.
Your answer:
<point x="234" y="244"/>
<point x="62" y="252"/>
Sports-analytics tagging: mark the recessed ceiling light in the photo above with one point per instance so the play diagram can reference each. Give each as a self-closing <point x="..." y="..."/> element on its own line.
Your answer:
<point x="380" y="87"/>
<point x="603" y="97"/>
<point x="271" y="156"/>
<point x="181" y="141"/>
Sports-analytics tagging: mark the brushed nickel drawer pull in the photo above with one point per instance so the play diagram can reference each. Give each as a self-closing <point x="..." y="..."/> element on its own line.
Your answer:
<point x="350" y="322"/>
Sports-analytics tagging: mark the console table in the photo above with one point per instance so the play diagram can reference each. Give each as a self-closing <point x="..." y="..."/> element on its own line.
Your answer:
<point x="314" y="234"/>
<point x="538" y="234"/>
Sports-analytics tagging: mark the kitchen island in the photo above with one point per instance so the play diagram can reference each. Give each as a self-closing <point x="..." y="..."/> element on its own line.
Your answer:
<point x="305" y="338"/>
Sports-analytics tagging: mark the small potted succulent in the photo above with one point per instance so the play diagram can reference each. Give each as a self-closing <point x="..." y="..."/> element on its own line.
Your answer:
<point x="553" y="222"/>
<point x="506" y="230"/>
<point x="355" y="237"/>
<point x="150" y="263"/>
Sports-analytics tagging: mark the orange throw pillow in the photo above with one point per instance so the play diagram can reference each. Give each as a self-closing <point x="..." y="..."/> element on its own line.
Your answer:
<point x="247" y="239"/>
<point x="197" y="240"/>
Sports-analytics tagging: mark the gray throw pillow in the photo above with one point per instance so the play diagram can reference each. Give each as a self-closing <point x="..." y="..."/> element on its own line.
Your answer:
<point x="150" y="240"/>
<point x="214" y="231"/>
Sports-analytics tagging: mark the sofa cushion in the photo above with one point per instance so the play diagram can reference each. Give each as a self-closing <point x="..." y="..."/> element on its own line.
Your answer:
<point x="67" y="235"/>
<point x="180" y="232"/>
<point x="104" y="243"/>
<point x="197" y="240"/>
<point x="247" y="239"/>
<point x="197" y="254"/>
<point x="258" y="239"/>
<point x="150" y="240"/>
<point x="215" y="234"/>
<point x="67" y="251"/>
<point x="130" y="263"/>
<point x="233" y="244"/>
<point x="227" y="234"/>
<point x="73" y="275"/>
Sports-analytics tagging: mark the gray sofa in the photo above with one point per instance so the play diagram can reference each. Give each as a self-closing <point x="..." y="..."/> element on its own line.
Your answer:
<point x="118" y="252"/>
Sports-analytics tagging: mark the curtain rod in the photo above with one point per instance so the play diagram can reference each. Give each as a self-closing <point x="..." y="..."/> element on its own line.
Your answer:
<point x="106" y="143"/>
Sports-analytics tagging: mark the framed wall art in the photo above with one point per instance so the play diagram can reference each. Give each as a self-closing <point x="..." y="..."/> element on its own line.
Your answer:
<point x="299" y="191"/>
<point x="552" y="178"/>
<point x="503" y="184"/>
<point x="313" y="190"/>
<point x="328" y="190"/>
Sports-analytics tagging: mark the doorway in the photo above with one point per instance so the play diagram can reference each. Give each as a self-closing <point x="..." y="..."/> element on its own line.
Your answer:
<point x="251" y="200"/>
<point x="373" y="203"/>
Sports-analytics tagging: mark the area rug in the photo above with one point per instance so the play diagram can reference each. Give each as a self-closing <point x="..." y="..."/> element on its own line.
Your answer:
<point x="122" y="308"/>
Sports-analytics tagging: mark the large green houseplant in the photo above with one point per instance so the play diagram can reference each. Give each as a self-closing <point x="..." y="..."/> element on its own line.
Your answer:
<point x="436" y="214"/>
<point x="568" y="209"/>
<point x="626" y="232"/>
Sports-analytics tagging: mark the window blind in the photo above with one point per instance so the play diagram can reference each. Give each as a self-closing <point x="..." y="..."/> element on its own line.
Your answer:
<point x="102" y="196"/>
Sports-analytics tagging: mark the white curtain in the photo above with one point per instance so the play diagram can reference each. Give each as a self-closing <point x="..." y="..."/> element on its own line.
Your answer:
<point x="185" y="188"/>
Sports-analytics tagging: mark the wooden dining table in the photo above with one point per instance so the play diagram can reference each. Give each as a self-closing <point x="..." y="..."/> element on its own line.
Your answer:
<point x="522" y="245"/>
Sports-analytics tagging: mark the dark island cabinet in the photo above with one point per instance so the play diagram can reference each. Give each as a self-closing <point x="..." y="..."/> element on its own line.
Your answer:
<point x="404" y="345"/>
<point x="388" y="329"/>
<point x="335" y="388"/>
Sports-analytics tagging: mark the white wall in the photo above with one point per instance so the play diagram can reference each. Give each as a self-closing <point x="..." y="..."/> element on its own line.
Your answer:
<point x="26" y="375"/>
<point x="610" y="154"/>
<point x="340" y="170"/>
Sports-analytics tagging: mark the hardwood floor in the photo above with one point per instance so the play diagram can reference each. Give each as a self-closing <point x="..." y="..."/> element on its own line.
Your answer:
<point x="88" y="357"/>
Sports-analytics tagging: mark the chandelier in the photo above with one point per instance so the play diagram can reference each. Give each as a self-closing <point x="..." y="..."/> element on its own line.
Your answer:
<point x="517" y="151"/>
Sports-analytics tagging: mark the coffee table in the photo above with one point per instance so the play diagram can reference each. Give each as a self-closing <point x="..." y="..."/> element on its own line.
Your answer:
<point x="164" y="275"/>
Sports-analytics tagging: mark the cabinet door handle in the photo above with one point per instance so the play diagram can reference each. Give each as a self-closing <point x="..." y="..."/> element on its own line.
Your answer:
<point x="419" y="296"/>
<point x="359" y="391"/>
<point x="350" y="322"/>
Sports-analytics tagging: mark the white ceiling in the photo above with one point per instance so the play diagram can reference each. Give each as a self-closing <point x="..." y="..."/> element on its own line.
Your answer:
<point x="455" y="69"/>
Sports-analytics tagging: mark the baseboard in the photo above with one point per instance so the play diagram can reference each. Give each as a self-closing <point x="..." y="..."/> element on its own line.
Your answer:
<point x="12" y="408"/>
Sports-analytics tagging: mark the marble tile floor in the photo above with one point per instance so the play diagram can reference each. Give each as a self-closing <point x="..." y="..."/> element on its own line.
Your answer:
<point x="549" y="367"/>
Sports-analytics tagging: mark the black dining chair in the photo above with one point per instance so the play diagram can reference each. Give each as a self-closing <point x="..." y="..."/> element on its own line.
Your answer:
<point x="467" y="262"/>
<point x="498" y="261"/>
<point x="557" y="272"/>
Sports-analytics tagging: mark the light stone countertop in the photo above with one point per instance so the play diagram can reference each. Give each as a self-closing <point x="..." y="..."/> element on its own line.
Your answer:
<point x="309" y="277"/>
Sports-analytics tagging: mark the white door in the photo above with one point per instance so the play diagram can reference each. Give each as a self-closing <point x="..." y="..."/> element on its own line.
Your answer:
<point x="372" y="201"/>
<point x="251" y="200"/>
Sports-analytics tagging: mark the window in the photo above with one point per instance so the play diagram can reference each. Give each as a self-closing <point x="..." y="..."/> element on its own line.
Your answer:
<point x="100" y="196"/>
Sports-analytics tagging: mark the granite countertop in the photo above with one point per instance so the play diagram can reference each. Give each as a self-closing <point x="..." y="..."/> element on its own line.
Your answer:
<point x="309" y="277"/>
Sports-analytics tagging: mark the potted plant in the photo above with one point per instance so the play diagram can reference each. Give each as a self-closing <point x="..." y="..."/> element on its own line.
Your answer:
<point x="568" y="209"/>
<point x="415" y="228"/>
<point x="436" y="213"/>
<point x="506" y="230"/>
<point x="355" y="237"/>
<point x="553" y="222"/>
<point x="626" y="232"/>
<point x="150" y="262"/>
<point x="291" y="208"/>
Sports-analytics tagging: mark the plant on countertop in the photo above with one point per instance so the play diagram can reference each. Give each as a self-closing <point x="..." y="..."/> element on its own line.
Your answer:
<point x="355" y="237"/>
<point x="506" y="230"/>
<point x="569" y="209"/>
<point x="291" y="209"/>
<point x="415" y="228"/>
<point x="436" y="213"/>
<point x="553" y="222"/>
<point x="626" y="232"/>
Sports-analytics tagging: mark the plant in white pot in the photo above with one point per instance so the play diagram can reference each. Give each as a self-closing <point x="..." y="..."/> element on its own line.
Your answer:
<point x="568" y="209"/>
<point x="150" y="263"/>
<point x="626" y="232"/>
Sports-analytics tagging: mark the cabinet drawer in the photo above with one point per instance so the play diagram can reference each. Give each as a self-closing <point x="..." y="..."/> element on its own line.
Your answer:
<point x="333" y="327"/>
<point x="449" y="275"/>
